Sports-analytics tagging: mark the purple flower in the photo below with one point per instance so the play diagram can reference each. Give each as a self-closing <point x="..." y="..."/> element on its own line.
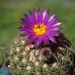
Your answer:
<point x="40" y="28"/>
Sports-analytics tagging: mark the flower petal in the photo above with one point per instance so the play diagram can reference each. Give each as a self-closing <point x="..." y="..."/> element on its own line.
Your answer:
<point x="45" y="16"/>
<point x="31" y="39"/>
<point x="26" y="22"/>
<point x="57" y="24"/>
<point x="28" y="18"/>
<point x="26" y="34"/>
<point x="38" y="41"/>
<point x="33" y="18"/>
<point x="51" y="38"/>
<point x="22" y="28"/>
<point x="55" y="29"/>
<point x="53" y="33"/>
<point x="28" y="30"/>
<point x="53" y="24"/>
<point x="45" y="40"/>
<point x="38" y="15"/>
<point x="23" y="23"/>
<point x="52" y="18"/>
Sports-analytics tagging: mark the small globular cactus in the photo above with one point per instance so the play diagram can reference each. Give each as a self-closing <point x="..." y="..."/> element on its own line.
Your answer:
<point x="26" y="60"/>
<point x="41" y="49"/>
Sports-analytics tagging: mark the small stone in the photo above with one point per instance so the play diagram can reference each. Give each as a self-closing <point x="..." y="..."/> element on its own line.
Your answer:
<point x="37" y="52"/>
<point x="16" y="58"/>
<point x="29" y="68"/>
<point x="32" y="59"/>
<point x="45" y="66"/>
<point x="36" y="63"/>
<point x="31" y="54"/>
<point x="24" y="60"/>
<point x="15" y="42"/>
<point x="27" y="48"/>
<point x="18" y="49"/>
<point x="62" y="58"/>
<point x="24" y="53"/>
<point x="40" y="58"/>
<point x="54" y="65"/>
<point x="61" y="48"/>
<point x="23" y="42"/>
<point x="31" y="46"/>
<point x="38" y="73"/>
<point x="9" y="66"/>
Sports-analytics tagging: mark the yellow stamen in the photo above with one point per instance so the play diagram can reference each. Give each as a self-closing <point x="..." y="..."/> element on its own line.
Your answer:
<point x="39" y="29"/>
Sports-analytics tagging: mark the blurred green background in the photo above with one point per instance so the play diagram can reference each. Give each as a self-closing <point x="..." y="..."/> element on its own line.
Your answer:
<point x="12" y="10"/>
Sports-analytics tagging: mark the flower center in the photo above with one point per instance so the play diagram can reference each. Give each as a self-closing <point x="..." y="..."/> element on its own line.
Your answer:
<point x="39" y="29"/>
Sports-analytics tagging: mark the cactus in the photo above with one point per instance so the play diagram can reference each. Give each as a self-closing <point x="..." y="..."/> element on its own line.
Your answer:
<point x="26" y="60"/>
